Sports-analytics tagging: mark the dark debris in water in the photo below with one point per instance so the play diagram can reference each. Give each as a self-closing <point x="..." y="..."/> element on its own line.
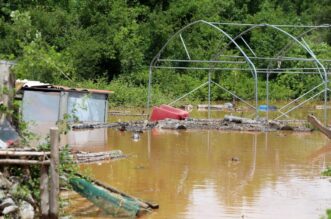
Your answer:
<point x="229" y="123"/>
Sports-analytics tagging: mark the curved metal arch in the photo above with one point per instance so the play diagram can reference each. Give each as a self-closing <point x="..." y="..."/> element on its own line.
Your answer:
<point x="307" y="49"/>
<point x="254" y="72"/>
<point x="281" y="53"/>
<point x="284" y="32"/>
<point x="170" y="39"/>
<point x="295" y="39"/>
<point x="317" y="62"/>
<point x="288" y="46"/>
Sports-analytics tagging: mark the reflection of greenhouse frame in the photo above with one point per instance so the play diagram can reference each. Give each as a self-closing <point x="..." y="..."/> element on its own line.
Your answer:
<point x="232" y="40"/>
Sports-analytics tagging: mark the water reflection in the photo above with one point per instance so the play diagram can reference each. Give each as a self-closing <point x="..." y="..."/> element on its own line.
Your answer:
<point x="192" y="174"/>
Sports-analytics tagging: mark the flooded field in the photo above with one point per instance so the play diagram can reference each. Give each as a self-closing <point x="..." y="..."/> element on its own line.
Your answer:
<point x="214" y="174"/>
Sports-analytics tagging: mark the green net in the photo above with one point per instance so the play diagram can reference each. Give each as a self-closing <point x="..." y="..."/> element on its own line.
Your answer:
<point x="111" y="203"/>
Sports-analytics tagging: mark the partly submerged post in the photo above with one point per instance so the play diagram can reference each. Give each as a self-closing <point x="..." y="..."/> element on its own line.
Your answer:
<point x="44" y="191"/>
<point x="54" y="181"/>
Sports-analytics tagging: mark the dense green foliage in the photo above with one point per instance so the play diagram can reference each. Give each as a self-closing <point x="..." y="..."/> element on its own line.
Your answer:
<point x="109" y="44"/>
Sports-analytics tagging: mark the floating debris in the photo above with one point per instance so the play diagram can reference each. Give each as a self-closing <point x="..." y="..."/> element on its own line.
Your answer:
<point x="136" y="136"/>
<point x="235" y="159"/>
<point x="87" y="157"/>
<point x="317" y="124"/>
<point x="225" y="106"/>
<point x="229" y="123"/>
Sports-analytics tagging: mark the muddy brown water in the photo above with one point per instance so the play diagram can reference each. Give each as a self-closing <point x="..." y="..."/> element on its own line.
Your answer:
<point x="215" y="174"/>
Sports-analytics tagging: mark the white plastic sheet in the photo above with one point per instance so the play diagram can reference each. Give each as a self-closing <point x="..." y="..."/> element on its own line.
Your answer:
<point x="87" y="107"/>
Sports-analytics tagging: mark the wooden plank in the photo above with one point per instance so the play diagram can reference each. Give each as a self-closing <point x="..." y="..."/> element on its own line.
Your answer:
<point x="54" y="180"/>
<point x="44" y="192"/>
<point x="23" y="162"/>
<point x="24" y="153"/>
<point x="317" y="124"/>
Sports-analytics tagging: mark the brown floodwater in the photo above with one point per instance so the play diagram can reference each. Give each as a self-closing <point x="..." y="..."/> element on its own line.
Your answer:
<point x="215" y="174"/>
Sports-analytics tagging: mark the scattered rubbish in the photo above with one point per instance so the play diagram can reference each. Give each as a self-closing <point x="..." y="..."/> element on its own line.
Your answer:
<point x="267" y="108"/>
<point x="235" y="159"/>
<point x="87" y="157"/>
<point x="3" y="145"/>
<point x="126" y="113"/>
<point x="180" y="126"/>
<point x="122" y="128"/>
<point x="229" y="123"/>
<point x="242" y="120"/>
<point x="137" y="126"/>
<point x="322" y="107"/>
<point x="92" y="125"/>
<point x="136" y="136"/>
<point x="225" y="106"/>
<point x="165" y="111"/>
<point x="187" y="108"/>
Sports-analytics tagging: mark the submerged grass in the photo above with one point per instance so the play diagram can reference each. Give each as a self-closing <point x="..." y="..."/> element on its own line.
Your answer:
<point x="327" y="172"/>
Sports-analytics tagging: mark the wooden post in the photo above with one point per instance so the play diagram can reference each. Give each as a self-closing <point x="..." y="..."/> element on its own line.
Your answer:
<point x="44" y="192"/>
<point x="54" y="182"/>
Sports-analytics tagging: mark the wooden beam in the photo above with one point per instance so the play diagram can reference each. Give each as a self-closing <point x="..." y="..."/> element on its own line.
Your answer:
<point x="24" y="162"/>
<point x="317" y="124"/>
<point x="44" y="192"/>
<point x="24" y="153"/>
<point x="54" y="182"/>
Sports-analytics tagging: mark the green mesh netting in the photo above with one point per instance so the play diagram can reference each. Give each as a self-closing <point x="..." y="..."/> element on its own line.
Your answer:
<point x="111" y="203"/>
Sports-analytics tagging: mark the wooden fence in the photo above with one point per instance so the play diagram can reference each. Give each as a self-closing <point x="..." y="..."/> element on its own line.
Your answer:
<point x="49" y="172"/>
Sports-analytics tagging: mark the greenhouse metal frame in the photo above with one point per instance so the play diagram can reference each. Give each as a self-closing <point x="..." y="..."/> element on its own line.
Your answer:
<point x="320" y="69"/>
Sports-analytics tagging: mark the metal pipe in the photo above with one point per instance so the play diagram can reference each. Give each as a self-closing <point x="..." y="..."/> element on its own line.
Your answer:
<point x="236" y="69"/>
<point x="183" y="42"/>
<point x="267" y="97"/>
<point x="300" y="104"/>
<point x="197" y="88"/>
<point x="154" y="60"/>
<point x="209" y="92"/>
<point x="311" y="52"/>
<point x="201" y="61"/>
<point x="233" y="94"/>
<point x="283" y="58"/>
<point x="246" y="57"/>
<point x="149" y="96"/>
<point x="276" y="25"/>
<point x="295" y="100"/>
<point x="248" y="46"/>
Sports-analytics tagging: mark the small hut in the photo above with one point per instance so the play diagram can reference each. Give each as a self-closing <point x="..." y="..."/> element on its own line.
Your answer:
<point x="43" y="105"/>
